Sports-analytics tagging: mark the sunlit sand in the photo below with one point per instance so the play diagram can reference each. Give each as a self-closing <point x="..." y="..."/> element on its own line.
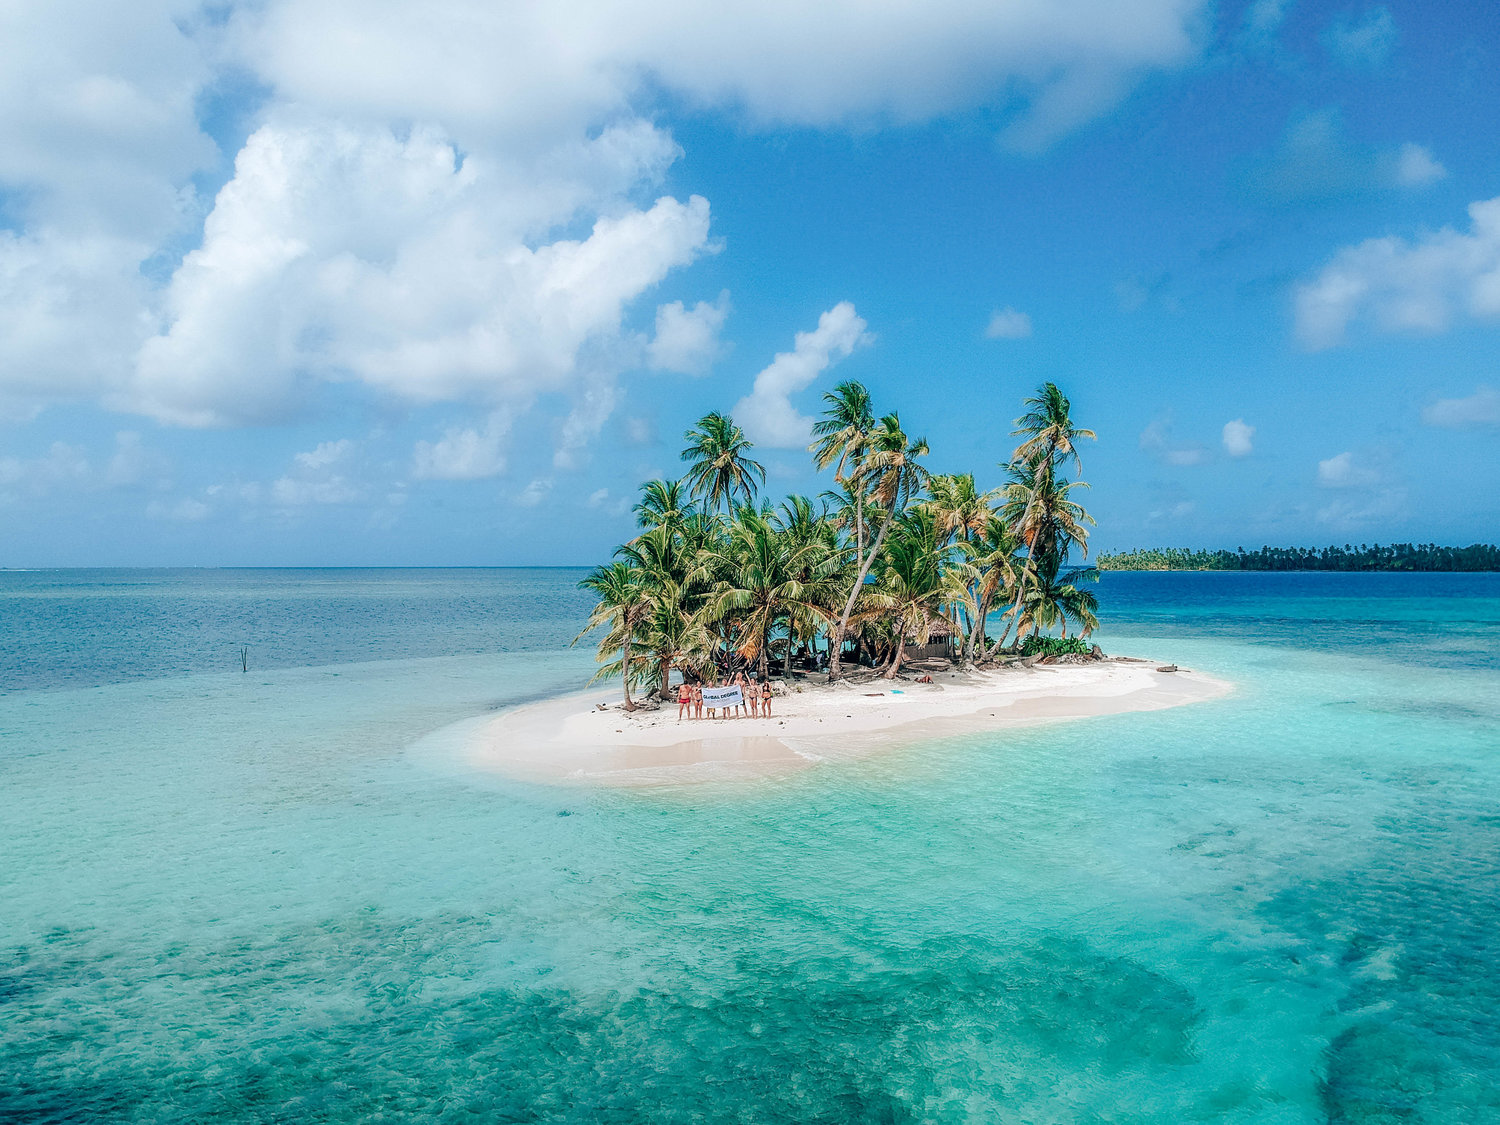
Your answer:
<point x="572" y="739"/>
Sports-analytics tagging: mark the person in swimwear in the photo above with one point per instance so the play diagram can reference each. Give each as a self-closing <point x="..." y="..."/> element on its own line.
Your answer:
<point x="753" y="698"/>
<point x="697" y="701"/>
<point x="739" y="681"/>
<point x="684" y="699"/>
<point x="765" y="699"/>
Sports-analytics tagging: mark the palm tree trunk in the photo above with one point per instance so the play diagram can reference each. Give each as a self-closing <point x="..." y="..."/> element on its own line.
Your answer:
<point x="663" y="674"/>
<point x="977" y="631"/>
<point x="625" y="673"/>
<point x="895" y="667"/>
<point x="864" y="571"/>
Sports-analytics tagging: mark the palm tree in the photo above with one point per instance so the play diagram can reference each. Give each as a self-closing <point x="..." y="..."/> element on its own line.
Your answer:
<point x="764" y="578"/>
<point x="958" y="507"/>
<point x="914" y="585"/>
<point x="1054" y="599"/>
<point x="1048" y="522"/>
<point x="721" y="474"/>
<point x="893" y="475"/>
<point x="992" y="561"/>
<point x="1047" y="426"/>
<point x="623" y="605"/>
<point x="663" y="503"/>
<point x="843" y="434"/>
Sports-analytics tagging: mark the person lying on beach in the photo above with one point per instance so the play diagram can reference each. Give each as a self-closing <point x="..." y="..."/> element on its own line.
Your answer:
<point x="684" y="699"/>
<point x="765" y="699"/>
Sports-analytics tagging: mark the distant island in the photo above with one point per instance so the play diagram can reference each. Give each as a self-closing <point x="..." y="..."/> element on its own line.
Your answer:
<point x="1394" y="557"/>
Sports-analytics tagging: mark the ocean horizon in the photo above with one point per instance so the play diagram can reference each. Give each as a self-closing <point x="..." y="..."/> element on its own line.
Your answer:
<point x="271" y="895"/>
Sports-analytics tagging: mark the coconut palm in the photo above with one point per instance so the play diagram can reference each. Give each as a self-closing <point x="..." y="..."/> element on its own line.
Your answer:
<point x="843" y="434"/>
<point x="894" y="475"/>
<point x="764" y="576"/>
<point x="721" y="474"/>
<point x="1039" y="508"/>
<point x="623" y="605"/>
<point x="959" y="509"/>
<point x="1053" y="599"/>
<point x="914" y="583"/>
<point x="993" y="569"/>
<point x="1047" y="426"/>
<point x="663" y="503"/>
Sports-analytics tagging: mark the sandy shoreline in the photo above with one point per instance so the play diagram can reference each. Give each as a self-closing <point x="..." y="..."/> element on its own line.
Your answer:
<point x="568" y="739"/>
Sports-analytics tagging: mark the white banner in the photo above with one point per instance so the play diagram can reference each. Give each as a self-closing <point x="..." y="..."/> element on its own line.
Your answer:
<point x="722" y="697"/>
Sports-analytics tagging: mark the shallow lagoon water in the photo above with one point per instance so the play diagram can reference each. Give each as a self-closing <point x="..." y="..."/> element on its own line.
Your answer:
<point x="256" y="896"/>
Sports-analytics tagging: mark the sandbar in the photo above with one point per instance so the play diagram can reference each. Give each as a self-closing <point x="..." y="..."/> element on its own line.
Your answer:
<point x="571" y="739"/>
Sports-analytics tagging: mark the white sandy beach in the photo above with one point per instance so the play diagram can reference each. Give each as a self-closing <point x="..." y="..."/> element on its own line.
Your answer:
<point x="570" y="739"/>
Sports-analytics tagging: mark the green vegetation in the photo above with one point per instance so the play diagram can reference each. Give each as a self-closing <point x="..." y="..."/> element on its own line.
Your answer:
<point x="1395" y="557"/>
<point x="1039" y="644"/>
<point x="720" y="578"/>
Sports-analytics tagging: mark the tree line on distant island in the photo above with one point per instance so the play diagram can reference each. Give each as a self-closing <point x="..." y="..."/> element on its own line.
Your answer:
<point x="1392" y="557"/>
<point x="719" y="578"/>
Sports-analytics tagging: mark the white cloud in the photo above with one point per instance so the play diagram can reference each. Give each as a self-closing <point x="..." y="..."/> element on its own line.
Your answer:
<point x="534" y="493"/>
<point x="327" y="453"/>
<point x="464" y="454"/>
<point x="1317" y="159"/>
<point x="1365" y="42"/>
<point x="340" y="253"/>
<point x="1402" y="286"/>
<point x="1156" y="439"/>
<point x="1008" y="324"/>
<point x="403" y="215"/>
<point x="318" y="476"/>
<point x="63" y="466"/>
<point x="1238" y="438"/>
<point x="186" y="510"/>
<point x="687" y="340"/>
<point x="1343" y="471"/>
<point x="767" y="414"/>
<point x="1480" y="409"/>
<point x="1415" y="167"/>
<point x="598" y="498"/>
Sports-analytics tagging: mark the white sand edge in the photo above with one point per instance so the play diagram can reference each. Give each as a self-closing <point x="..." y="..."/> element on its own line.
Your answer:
<point x="568" y="739"/>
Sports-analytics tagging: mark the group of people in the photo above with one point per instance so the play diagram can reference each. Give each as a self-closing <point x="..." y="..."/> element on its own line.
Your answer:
<point x="755" y="700"/>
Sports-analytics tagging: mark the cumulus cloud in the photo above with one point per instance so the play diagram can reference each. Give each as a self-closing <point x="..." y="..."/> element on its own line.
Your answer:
<point x="319" y="476"/>
<point x="1343" y="471"/>
<point x="766" y="413"/>
<point x="687" y="339"/>
<point x="1317" y="159"/>
<point x="1478" y="410"/>
<point x="406" y="215"/>
<point x="464" y="453"/>
<point x="534" y="493"/>
<point x="1365" y="41"/>
<point x="1238" y="438"/>
<point x="1397" y="285"/>
<point x="1416" y="167"/>
<point x="69" y="468"/>
<point x="1008" y="324"/>
<point x="1156" y="439"/>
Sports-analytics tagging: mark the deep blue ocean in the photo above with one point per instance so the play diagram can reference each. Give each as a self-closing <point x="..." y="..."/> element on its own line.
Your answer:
<point x="238" y="896"/>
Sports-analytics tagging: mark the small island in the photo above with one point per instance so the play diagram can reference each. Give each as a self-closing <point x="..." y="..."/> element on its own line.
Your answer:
<point x="749" y="635"/>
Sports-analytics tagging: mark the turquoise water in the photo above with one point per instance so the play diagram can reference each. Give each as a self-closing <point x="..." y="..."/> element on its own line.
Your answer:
<point x="232" y="896"/>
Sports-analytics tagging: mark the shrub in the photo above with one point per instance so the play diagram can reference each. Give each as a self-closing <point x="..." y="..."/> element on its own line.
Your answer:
<point x="1037" y="644"/>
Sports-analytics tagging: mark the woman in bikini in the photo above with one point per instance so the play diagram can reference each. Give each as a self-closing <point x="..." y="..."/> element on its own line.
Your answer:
<point x="752" y="697"/>
<point x="765" y="699"/>
<point x="697" y="701"/>
<point x="684" y="699"/>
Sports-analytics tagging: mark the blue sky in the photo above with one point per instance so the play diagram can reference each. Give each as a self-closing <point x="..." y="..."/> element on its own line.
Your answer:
<point x="324" y="283"/>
